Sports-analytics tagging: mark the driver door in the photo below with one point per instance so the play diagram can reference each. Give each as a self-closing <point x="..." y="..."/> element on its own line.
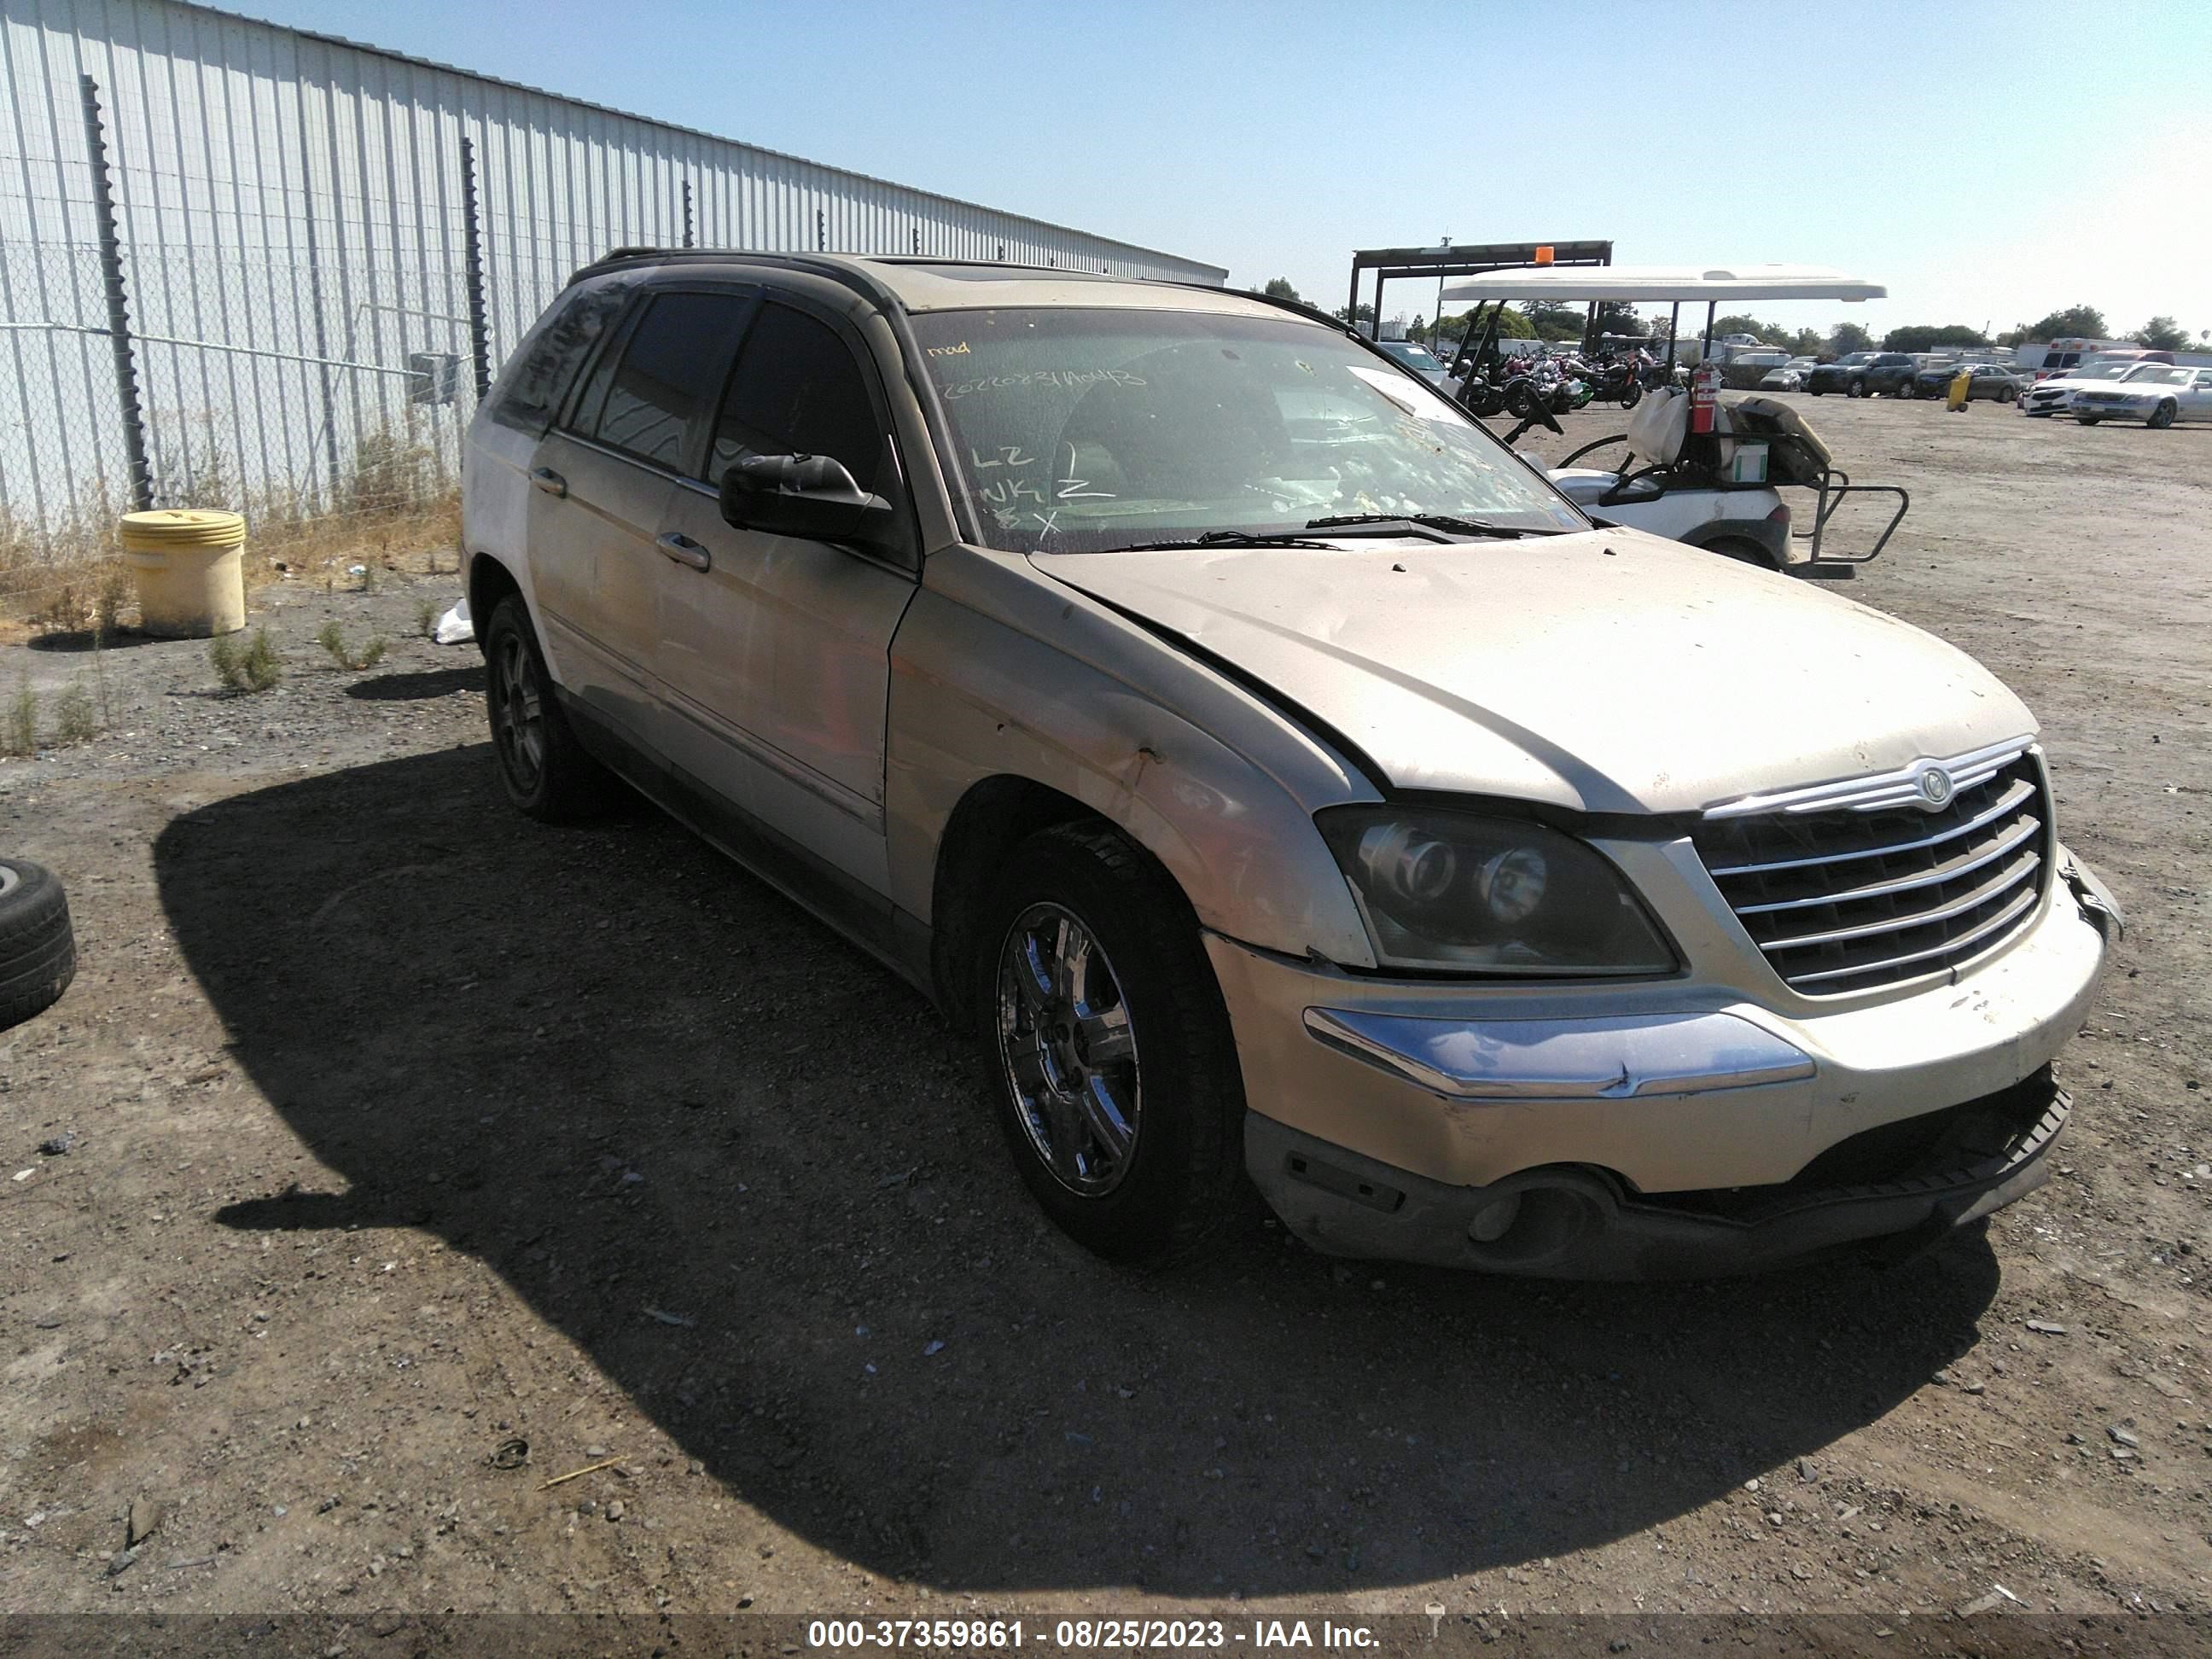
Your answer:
<point x="776" y="650"/>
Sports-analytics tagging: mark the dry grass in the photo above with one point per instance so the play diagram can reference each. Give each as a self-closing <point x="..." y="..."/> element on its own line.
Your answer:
<point x="398" y="513"/>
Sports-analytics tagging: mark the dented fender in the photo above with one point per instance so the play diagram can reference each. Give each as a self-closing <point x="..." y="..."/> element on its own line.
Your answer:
<point x="996" y="674"/>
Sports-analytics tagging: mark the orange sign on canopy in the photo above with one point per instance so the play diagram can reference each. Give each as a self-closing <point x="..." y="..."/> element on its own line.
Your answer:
<point x="1543" y="253"/>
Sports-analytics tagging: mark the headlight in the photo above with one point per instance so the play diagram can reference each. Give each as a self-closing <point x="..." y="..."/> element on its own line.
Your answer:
<point x="1454" y="891"/>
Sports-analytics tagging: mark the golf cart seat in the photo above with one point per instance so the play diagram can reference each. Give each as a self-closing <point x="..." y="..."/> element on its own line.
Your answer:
<point x="1795" y="453"/>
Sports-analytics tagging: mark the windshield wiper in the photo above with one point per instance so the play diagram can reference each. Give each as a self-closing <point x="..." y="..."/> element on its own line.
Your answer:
<point x="1432" y="521"/>
<point x="1221" y="538"/>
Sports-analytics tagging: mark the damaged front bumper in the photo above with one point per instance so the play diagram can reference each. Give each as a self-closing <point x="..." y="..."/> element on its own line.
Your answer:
<point x="1660" y="1130"/>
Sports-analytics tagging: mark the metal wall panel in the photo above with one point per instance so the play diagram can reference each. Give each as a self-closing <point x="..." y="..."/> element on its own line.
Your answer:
<point x="290" y="209"/>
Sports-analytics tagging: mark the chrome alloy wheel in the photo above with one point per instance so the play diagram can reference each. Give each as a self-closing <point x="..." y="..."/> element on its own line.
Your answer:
<point x="517" y="712"/>
<point x="1068" y="1049"/>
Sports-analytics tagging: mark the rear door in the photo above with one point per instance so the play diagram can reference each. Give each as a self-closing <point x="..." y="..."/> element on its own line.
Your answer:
<point x="603" y="476"/>
<point x="777" y="650"/>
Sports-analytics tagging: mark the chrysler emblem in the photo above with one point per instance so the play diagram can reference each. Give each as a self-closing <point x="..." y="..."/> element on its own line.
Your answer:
<point x="1934" y="786"/>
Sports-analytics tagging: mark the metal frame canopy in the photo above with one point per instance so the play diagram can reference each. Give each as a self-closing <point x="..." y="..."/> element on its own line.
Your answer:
<point x="1679" y="283"/>
<point x="1473" y="260"/>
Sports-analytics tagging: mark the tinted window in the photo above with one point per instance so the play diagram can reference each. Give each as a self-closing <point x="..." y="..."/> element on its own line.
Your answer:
<point x="531" y="390"/>
<point x="661" y="390"/>
<point x="798" y="391"/>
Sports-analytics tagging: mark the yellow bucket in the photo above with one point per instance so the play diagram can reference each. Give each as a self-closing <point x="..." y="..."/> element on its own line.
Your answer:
<point x="190" y="566"/>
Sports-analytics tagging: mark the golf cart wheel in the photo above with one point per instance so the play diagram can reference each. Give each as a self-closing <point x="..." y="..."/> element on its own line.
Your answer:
<point x="38" y="951"/>
<point x="547" y="774"/>
<point x="1113" y="1067"/>
<point x="1743" y="550"/>
<point x="2161" y="418"/>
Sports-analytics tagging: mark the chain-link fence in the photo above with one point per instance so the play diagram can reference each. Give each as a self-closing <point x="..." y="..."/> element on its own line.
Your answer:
<point x="306" y="253"/>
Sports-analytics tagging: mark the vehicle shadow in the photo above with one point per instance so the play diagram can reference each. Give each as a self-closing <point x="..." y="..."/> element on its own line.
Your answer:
<point x="647" y="1091"/>
<point x="420" y="684"/>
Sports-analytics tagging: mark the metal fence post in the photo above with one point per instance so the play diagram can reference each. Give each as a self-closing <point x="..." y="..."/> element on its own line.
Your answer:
<point x="119" y="313"/>
<point x="687" y="213"/>
<point x="473" y="271"/>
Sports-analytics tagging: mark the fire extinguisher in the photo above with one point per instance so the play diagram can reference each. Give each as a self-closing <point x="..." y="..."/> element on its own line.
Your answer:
<point x="1705" y="387"/>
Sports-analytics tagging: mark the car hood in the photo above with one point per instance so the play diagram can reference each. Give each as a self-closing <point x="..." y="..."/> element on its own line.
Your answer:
<point x="1605" y="671"/>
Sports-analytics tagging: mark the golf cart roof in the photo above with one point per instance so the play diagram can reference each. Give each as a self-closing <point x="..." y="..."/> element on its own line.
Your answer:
<point x="1661" y="283"/>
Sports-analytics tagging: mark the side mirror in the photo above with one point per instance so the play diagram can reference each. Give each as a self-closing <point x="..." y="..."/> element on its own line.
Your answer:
<point x="811" y="496"/>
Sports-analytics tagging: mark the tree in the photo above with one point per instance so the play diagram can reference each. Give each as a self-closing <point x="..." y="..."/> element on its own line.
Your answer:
<point x="1362" y="313"/>
<point x="1615" y="318"/>
<point x="1553" y="322"/>
<point x="1924" y="337"/>
<point x="2085" y="322"/>
<point x="2163" y="334"/>
<point x="1806" y="343"/>
<point x="1849" y="336"/>
<point x="1417" y="329"/>
<point x="1514" y="325"/>
<point x="1278" y="288"/>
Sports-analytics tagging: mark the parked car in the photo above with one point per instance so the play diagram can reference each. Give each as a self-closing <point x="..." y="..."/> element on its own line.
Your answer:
<point x="1790" y="376"/>
<point x="1862" y="375"/>
<point x="1746" y="369"/>
<point x="2157" y="394"/>
<point x="1203" y="712"/>
<point x="1417" y="358"/>
<point x="2054" y="396"/>
<point x="1991" y="381"/>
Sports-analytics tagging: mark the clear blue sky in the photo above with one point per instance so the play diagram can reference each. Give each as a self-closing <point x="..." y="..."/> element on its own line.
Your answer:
<point x="1959" y="151"/>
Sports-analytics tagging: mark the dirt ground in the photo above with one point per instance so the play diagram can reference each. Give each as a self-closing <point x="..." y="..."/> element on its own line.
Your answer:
<point x="405" y="1131"/>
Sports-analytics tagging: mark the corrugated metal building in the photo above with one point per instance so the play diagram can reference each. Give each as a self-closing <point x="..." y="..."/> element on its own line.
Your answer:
<point x="290" y="217"/>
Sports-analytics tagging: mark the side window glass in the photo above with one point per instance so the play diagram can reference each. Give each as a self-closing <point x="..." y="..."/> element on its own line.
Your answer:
<point x="797" y="390"/>
<point x="662" y="391"/>
<point x="534" y="383"/>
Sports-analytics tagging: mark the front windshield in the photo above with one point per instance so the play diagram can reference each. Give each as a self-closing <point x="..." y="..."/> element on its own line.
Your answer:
<point x="1082" y="430"/>
<point x="2156" y="374"/>
<point x="2104" y="369"/>
<point x="1413" y="356"/>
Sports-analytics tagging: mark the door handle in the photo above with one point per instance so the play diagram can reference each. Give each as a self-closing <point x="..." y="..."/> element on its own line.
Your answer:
<point x="682" y="549"/>
<point x="545" y="478"/>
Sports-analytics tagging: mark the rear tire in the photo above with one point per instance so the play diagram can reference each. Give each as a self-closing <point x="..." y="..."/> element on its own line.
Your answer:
<point x="38" y="950"/>
<point x="1632" y="396"/>
<point x="2088" y="420"/>
<point x="545" y="769"/>
<point x="1112" y="1064"/>
<point x="1855" y="389"/>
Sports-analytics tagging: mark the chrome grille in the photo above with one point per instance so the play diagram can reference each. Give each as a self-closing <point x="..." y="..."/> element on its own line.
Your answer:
<point x="1851" y="887"/>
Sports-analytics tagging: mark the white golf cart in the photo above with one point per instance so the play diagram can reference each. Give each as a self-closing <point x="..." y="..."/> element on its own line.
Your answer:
<point x="1719" y="489"/>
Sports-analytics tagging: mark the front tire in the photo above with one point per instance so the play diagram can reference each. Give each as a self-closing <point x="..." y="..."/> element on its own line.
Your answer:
<point x="1112" y="1063"/>
<point x="545" y="769"/>
<point x="2088" y="420"/>
<point x="2161" y="418"/>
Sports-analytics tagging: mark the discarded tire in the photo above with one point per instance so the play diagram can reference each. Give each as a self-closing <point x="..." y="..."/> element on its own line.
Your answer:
<point x="38" y="951"/>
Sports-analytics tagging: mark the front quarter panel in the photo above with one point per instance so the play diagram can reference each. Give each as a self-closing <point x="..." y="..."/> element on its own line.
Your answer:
<point x="999" y="672"/>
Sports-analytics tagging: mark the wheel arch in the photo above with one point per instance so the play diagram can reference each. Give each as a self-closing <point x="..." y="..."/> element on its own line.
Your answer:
<point x="490" y="581"/>
<point x="996" y="815"/>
